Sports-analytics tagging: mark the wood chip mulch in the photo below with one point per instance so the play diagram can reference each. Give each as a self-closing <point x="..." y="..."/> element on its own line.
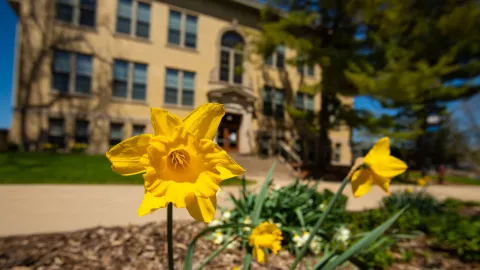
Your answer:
<point x="131" y="247"/>
<point x="144" y="247"/>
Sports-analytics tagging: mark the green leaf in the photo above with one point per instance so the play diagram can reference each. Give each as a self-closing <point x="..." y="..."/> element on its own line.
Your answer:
<point x="365" y="242"/>
<point x="300" y="217"/>
<point x="215" y="254"/>
<point x="257" y="209"/>
<point x="237" y="204"/>
<point x="191" y="246"/>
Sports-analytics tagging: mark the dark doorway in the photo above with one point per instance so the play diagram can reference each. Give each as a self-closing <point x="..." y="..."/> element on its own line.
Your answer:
<point x="228" y="132"/>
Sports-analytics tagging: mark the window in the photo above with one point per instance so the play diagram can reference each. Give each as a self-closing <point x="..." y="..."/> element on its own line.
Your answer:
<point x="179" y="87"/>
<point x="299" y="101"/>
<point x="81" y="131"/>
<point x="309" y="68"/>
<point x="337" y="152"/>
<point x="133" y="18"/>
<point x="301" y="69"/>
<point x="304" y="102"/>
<point x="78" y="12"/>
<point x="116" y="133"/>
<point x="129" y="80"/>
<point x="277" y="58"/>
<point x="279" y="112"/>
<point x="138" y="130"/>
<point x="72" y="72"/>
<point x="267" y="101"/>
<point x="231" y="57"/>
<point x="273" y="102"/>
<point x="309" y="103"/>
<point x="56" y="132"/>
<point x="139" y="81"/>
<point x="182" y="29"/>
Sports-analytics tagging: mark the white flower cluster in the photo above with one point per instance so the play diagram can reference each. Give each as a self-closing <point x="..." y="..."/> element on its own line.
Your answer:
<point x="342" y="235"/>
<point x="315" y="245"/>
<point x="300" y="240"/>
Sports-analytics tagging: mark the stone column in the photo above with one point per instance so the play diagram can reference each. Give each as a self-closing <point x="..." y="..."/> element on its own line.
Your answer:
<point x="245" y="132"/>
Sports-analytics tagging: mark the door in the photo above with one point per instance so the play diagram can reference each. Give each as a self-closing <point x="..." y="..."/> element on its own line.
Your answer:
<point x="227" y="134"/>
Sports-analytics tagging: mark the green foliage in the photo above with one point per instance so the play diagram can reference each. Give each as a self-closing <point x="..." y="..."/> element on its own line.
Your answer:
<point x="377" y="260"/>
<point x="422" y="202"/>
<point x="292" y="206"/>
<point x="457" y="234"/>
<point x="445" y="227"/>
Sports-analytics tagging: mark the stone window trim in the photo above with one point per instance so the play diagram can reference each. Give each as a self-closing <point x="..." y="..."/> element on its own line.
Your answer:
<point x="184" y="13"/>
<point x="277" y="59"/>
<point x="309" y="70"/>
<point x="130" y="82"/>
<point x="180" y="89"/>
<point x="132" y="33"/>
<point x="113" y="139"/>
<point x="81" y="138"/>
<point x="304" y="103"/>
<point x="272" y="106"/>
<point x="72" y="73"/>
<point x="77" y="8"/>
<point x="337" y="152"/>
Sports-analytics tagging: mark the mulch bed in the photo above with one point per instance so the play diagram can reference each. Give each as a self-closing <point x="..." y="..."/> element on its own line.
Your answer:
<point x="144" y="247"/>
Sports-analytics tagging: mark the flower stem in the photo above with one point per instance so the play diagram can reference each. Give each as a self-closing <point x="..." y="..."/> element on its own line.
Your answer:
<point x="319" y="223"/>
<point x="170" y="235"/>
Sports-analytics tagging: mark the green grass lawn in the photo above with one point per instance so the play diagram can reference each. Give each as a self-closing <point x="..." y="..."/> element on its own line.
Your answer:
<point x="413" y="175"/>
<point x="50" y="168"/>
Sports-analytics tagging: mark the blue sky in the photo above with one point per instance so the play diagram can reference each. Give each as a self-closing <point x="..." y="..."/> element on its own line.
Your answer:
<point x="8" y="21"/>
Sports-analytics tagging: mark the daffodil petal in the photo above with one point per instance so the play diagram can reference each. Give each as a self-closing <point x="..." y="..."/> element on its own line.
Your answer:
<point x="206" y="185"/>
<point x="259" y="254"/>
<point x="204" y="120"/>
<point x="362" y="181"/>
<point x="150" y="203"/>
<point x="225" y="165"/>
<point x="388" y="167"/>
<point x="380" y="150"/>
<point x="382" y="182"/>
<point x="176" y="193"/>
<point x="228" y="168"/>
<point x="164" y="122"/>
<point x="201" y="209"/>
<point x="127" y="156"/>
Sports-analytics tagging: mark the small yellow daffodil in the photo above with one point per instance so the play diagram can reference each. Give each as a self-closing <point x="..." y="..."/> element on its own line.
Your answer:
<point x="265" y="235"/>
<point x="235" y="268"/>
<point x="180" y="162"/>
<point x="378" y="168"/>
<point x="218" y="238"/>
<point x="409" y="190"/>
<point x="423" y="181"/>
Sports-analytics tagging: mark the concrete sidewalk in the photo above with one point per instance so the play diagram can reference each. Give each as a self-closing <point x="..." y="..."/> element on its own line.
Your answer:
<point x="30" y="209"/>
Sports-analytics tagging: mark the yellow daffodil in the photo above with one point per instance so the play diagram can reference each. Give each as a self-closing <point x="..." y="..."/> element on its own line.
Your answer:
<point x="409" y="190"/>
<point x="423" y="181"/>
<point x="235" y="268"/>
<point x="378" y="168"/>
<point x="180" y="162"/>
<point x="265" y="235"/>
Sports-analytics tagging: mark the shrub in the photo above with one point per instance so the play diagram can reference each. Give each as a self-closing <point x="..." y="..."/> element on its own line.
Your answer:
<point x="291" y="206"/>
<point x="49" y="147"/>
<point x="79" y="147"/>
<point x="13" y="147"/>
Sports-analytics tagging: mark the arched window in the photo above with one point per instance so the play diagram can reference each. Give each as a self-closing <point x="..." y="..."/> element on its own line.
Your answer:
<point x="231" y="57"/>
